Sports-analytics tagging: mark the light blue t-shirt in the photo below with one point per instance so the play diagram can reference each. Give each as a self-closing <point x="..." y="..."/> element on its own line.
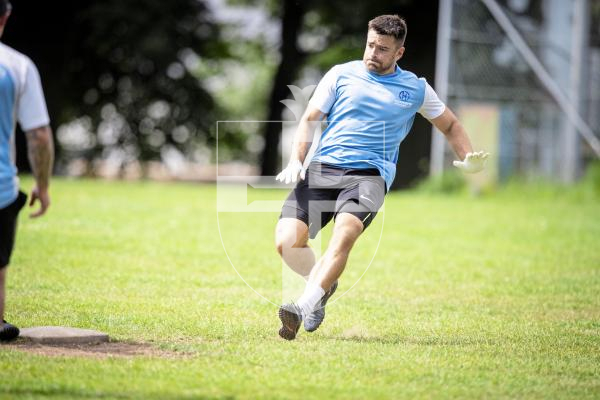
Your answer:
<point x="7" y="169"/>
<point x="22" y="100"/>
<point x="368" y="116"/>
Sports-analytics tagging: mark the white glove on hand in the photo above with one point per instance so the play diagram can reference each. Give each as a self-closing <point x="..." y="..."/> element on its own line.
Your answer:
<point x="291" y="172"/>
<point x="473" y="162"/>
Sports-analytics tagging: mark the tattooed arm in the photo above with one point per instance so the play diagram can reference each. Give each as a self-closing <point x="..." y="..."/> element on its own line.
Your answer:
<point x="40" y="148"/>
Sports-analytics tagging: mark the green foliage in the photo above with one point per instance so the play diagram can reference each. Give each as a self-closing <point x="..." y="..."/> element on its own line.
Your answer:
<point x="246" y="78"/>
<point x="450" y="182"/>
<point x="453" y="182"/>
<point x="348" y="49"/>
<point x="143" y="57"/>
<point x="591" y="180"/>
<point x="123" y="69"/>
<point x="489" y="297"/>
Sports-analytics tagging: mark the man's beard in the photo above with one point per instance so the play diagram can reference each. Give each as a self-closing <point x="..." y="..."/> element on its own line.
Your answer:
<point x="378" y="67"/>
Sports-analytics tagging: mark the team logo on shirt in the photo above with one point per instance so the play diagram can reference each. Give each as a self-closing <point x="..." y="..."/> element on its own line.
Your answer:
<point x="403" y="97"/>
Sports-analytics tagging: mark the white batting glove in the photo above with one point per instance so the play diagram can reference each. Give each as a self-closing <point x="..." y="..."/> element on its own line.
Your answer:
<point x="292" y="172"/>
<point x="473" y="162"/>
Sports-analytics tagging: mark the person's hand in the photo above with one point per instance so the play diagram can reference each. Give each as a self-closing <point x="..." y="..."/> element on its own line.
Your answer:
<point x="43" y="197"/>
<point x="473" y="162"/>
<point x="292" y="172"/>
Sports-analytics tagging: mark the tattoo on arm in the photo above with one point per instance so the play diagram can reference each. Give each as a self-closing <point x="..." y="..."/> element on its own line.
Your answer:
<point x="40" y="149"/>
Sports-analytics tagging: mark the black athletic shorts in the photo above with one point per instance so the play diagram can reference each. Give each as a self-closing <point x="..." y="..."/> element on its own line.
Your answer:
<point x="328" y="190"/>
<point x="8" y="227"/>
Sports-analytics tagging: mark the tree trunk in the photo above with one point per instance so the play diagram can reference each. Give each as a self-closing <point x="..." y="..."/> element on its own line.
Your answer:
<point x="291" y="61"/>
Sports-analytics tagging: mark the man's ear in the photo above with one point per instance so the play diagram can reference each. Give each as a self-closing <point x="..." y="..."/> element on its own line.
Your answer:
<point x="400" y="53"/>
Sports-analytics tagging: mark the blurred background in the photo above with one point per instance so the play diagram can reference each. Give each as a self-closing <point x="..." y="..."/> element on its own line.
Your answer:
<point x="135" y="88"/>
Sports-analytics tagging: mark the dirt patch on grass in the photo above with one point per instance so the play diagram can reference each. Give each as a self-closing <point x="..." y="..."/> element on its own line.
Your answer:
<point x="100" y="350"/>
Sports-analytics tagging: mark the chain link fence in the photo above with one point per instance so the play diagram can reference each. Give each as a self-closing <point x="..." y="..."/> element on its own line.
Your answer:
<point x="505" y="99"/>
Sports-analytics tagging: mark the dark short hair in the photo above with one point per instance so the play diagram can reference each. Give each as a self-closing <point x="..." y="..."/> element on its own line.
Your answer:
<point x="390" y="25"/>
<point x="4" y="6"/>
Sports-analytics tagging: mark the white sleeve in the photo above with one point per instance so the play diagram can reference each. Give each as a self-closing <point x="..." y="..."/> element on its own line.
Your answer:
<point x="432" y="106"/>
<point x="31" y="106"/>
<point x="324" y="95"/>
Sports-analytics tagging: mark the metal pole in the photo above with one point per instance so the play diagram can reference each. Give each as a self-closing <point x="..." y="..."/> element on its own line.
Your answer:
<point x="579" y="28"/>
<point x="444" y="42"/>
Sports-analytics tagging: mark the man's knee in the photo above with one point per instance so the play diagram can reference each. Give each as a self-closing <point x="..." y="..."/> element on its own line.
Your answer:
<point x="346" y="231"/>
<point x="286" y="242"/>
<point x="348" y="226"/>
<point x="281" y="243"/>
<point x="290" y="234"/>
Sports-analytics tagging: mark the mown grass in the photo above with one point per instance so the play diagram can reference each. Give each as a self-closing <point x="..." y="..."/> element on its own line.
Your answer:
<point x="467" y="297"/>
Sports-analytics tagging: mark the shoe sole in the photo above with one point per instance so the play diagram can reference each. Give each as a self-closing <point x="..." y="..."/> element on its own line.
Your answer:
<point x="334" y="288"/>
<point x="9" y="333"/>
<point x="291" y="323"/>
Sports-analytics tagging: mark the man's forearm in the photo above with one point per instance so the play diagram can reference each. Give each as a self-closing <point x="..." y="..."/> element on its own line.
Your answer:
<point x="40" y="149"/>
<point x="458" y="139"/>
<point x="303" y="139"/>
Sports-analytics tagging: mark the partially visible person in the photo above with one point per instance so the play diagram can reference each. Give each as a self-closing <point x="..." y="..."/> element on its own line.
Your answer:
<point x="22" y="100"/>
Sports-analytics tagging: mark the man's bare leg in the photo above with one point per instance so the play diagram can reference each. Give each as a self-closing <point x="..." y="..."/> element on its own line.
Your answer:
<point x="346" y="231"/>
<point x="291" y="240"/>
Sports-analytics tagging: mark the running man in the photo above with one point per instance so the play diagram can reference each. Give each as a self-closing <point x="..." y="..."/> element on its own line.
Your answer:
<point x="369" y="107"/>
<point x="22" y="100"/>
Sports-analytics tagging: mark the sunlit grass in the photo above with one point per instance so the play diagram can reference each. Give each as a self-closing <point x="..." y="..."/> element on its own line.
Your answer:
<point x="496" y="296"/>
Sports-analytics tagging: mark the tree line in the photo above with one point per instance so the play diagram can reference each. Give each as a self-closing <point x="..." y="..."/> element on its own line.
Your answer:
<point x="135" y="77"/>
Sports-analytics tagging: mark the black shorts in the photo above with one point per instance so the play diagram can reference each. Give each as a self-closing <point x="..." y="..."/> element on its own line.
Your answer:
<point x="329" y="190"/>
<point x="8" y="227"/>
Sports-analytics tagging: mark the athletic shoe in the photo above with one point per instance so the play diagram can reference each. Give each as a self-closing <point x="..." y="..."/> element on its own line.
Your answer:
<point x="8" y="331"/>
<point x="314" y="319"/>
<point x="291" y="318"/>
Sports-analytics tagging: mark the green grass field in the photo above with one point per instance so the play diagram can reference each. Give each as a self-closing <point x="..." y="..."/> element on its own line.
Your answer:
<point x="489" y="297"/>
